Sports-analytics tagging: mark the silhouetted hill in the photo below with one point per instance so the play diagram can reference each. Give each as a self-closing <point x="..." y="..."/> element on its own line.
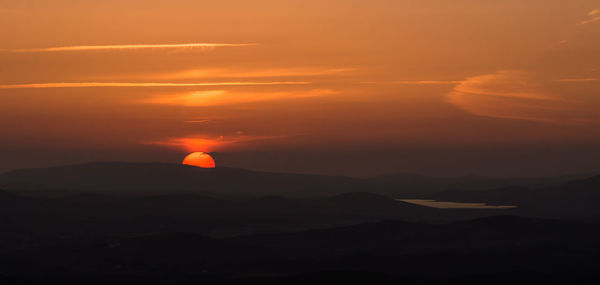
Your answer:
<point x="397" y="236"/>
<point x="419" y="185"/>
<point x="7" y="197"/>
<point x="589" y="187"/>
<point x="492" y="247"/>
<point x="505" y="226"/>
<point x="190" y="194"/>
<point x="161" y="178"/>
<point x="166" y="179"/>
<point x="500" y="196"/>
<point x="375" y="205"/>
<point x="576" y="198"/>
<point x="592" y="182"/>
<point x="4" y="194"/>
<point x="117" y="215"/>
<point x="354" y="197"/>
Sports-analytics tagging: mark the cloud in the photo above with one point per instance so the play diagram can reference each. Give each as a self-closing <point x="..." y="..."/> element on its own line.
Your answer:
<point x="201" y="46"/>
<point x="578" y="79"/>
<point x="212" y="143"/>
<point x="257" y="73"/>
<point x="196" y="121"/>
<point x="224" y="97"/>
<point x="415" y="82"/>
<point x="513" y="94"/>
<point x="592" y="17"/>
<point x="561" y="89"/>
<point x="142" y="84"/>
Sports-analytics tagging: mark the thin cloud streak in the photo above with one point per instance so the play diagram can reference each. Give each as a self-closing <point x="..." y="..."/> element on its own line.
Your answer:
<point x="142" y="84"/>
<point x="593" y="17"/>
<point x="513" y="94"/>
<point x="203" y="46"/>
<point x="415" y="82"/>
<point x="224" y="97"/>
<point x="261" y="73"/>
<point x="579" y="80"/>
<point x="212" y="144"/>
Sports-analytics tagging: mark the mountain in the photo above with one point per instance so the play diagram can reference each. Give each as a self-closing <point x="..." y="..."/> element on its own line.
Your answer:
<point x="167" y="179"/>
<point x="500" y="196"/>
<point x="573" y="198"/>
<point x="5" y="194"/>
<point x="418" y="186"/>
<point x="162" y="178"/>
<point x="7" y="197"/>
<point x="214" y="216"/>
<point x="372" y="204"/>
<point x="496" y="250"/>
<point x="172" y="224"/>
<point x="588" y="187"/>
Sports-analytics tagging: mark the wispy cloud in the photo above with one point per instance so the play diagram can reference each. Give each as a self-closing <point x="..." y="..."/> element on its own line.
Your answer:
<point x="142" y="84"/>
<point x="511" y="94"/>
<point x="224" y="97"/>
<point x="196" y="121"/>
<point x="211" y="143"/>
<point x="592" y="17"/>
<point x="415" y="82"/>
<point x="578" y="79"/>
<point x="255" y="73"/>
<point x="225" y="74"/>
<point x="202" y="46"/>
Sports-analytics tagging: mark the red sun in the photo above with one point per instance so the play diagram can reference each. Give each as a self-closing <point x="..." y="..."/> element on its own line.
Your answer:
<point x="199" y="159"/>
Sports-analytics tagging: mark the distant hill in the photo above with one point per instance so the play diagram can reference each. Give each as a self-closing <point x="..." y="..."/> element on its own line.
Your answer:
<point x="217" y="216"/>
<point x="584" y="187"/>
<point x="579" y="197"/>
<point x="498" y="196"/>
<point x="6" y="196"/>
<point x="162" y="178"/>
<point x="419" y="185"/>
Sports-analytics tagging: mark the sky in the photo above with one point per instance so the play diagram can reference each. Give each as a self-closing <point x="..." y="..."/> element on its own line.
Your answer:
<point x="342" y="87"/>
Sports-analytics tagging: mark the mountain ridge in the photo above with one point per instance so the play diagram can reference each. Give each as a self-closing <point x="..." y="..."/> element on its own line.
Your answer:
<point x="132" y="178"/>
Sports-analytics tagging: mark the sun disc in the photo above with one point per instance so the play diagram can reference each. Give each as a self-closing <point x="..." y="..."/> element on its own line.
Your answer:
<point x="199" y="159"/>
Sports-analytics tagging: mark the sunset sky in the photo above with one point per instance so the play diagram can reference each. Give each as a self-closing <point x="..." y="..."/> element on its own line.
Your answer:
<point x="329" y="86"/>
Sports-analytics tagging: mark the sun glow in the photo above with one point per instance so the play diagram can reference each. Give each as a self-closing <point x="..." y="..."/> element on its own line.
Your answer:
<point x="199" y="159"/>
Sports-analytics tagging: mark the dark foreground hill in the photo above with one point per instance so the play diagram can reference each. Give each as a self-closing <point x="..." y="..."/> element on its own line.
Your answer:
<point x="491" y="250"/>
<point x="93" y="214"/>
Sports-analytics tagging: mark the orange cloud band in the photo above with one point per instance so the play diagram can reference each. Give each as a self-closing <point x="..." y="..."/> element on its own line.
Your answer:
<point x="124" y="47"/>
<point x="142" y="84"/>
<point x="415" y="82"/>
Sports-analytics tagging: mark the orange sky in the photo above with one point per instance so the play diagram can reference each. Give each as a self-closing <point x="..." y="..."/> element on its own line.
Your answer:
<point x="152" y="80"/>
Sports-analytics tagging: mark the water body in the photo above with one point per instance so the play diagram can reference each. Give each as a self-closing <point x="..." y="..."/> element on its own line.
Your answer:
<point x="454" y="205"/>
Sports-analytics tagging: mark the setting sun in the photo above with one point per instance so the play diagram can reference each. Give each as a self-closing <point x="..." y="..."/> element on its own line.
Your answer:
<point x="199" y="159"/>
